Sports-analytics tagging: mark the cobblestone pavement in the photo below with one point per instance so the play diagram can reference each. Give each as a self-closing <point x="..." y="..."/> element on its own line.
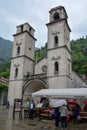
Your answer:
<point x="8" y="123"/>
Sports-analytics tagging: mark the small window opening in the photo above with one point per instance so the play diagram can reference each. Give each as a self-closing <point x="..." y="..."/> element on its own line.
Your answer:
<point x="16" y="72"/>
<point x="56" y="41"/>
<point x="21" y="28"/>
<point x="56" y="16"/>
<point x="30" y="29"/>
<point x="18" y="50"/>
<point x="56" y="67"/>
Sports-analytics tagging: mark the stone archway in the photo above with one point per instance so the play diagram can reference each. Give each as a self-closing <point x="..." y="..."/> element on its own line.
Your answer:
<point x="31" y="87"/>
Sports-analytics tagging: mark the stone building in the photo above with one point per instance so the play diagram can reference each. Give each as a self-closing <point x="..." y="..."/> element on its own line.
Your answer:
<point x="54" y="71"/>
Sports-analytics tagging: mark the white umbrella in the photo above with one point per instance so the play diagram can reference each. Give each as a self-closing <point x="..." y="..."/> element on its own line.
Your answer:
<point x="59" y="103"/>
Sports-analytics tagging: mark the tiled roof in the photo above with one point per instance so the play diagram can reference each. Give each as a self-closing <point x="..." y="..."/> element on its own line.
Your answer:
<point x="4" y="80"/>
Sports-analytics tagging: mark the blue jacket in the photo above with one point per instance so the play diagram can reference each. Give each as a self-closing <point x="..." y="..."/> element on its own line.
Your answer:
<point x="76" y="110"/>
<point x="56" y="112"/>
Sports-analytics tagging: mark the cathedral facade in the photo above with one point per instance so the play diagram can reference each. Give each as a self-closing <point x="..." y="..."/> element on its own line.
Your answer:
<point x="54" y="71"/>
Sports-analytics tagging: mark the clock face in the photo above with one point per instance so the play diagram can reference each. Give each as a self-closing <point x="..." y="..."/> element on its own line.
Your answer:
<point x="44" y="68"/>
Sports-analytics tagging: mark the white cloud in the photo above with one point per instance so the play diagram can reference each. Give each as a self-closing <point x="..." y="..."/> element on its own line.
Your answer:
<point x="36" y="12"/>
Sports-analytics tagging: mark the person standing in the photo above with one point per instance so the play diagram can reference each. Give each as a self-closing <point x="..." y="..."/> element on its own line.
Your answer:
<point x="57" y="116"/>
<point x="76" y="114"/>
<point x="7" y="105"/>
<point x="63" y="116"/>
<point x="27" y="102"/>
<point x="31" y="108"/>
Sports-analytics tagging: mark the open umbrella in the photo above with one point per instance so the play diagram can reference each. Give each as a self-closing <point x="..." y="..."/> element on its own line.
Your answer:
<point x="59" y="103"/>
<point x="85" y="102"/>
<point x="72" y="102"/>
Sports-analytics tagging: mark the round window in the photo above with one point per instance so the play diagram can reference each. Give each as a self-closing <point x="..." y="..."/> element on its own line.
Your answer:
<point x="44" y="68"/>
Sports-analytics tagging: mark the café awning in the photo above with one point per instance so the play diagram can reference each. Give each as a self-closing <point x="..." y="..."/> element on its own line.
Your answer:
<point x="63" y="92"/>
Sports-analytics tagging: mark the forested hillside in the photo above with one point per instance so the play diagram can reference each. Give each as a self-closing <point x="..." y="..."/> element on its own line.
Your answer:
<point x="5" y="56"/>
<point x="79" y="56"/>
<point x="5" y="50"/>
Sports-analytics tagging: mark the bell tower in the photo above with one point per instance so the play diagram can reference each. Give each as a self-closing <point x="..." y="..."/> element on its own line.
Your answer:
<point x="22" y="62"/>
<point x="58" y="49"/>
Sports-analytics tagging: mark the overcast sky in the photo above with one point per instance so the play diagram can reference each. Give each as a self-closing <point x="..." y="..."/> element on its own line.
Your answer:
<point x="36" y="13"/>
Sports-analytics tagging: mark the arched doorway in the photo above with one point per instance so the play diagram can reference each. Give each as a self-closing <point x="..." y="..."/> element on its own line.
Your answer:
<point x="31" y="87"/>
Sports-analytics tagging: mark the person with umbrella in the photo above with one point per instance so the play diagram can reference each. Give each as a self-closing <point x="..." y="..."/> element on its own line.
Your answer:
<point x="57" y="116"/>
<point x="63" y="116"/>
<point x="58" y="110"/>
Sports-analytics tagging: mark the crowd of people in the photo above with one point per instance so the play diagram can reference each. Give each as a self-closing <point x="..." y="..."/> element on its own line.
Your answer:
<point x="61" y="113"/>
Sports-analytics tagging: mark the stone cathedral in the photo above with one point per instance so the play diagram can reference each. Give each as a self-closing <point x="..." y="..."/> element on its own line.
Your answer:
<point x="53" y="71"/>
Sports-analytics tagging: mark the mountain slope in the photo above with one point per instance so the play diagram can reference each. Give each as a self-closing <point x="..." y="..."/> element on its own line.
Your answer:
<point x="5" y="50"/>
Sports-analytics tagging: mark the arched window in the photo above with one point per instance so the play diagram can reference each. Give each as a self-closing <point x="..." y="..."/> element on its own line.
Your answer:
<point x="56" y="67"/>
<point x="56" y="41"/>
<point x="56" y="16"/>
<point x="18" y="50"/>
<point x="16" y="72"/>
